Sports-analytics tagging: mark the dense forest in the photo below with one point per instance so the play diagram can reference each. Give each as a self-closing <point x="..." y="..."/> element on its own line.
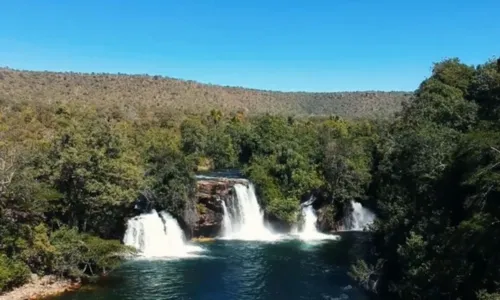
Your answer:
<point x="151" y="97"/>
<point x="71" y="172"/>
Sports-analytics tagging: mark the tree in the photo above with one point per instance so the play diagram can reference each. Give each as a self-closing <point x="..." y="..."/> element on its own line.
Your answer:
<point x="97" y="174"/>
<point x="485" y="90"/>
<point x="220" y="149"/>
<point x="12" y="273"/>
<point x="193" y="136"/>
<point x="346" y="166"/>
<point x="170" y="180"/>
<point x="443" y="104"/>
<point x="215" y="116"/>
<point x="82" y="255"/>
<point x="270" y="132"/>
<point x="454" y="73"/>
<point x="283" y="178"/>
<point x="435" y="185"/>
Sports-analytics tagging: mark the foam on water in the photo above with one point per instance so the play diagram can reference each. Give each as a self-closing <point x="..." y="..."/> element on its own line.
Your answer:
<point x="309" y="232"/>
<point x="244" y="219"/>
<point x="360" y="218"/>
<point x="158" y="235"/>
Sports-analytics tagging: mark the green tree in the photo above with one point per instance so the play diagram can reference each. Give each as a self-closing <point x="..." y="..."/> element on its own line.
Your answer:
<point x="171" y="180"/>
<point x="221" y="150"/>
<point x="83" y="255"/>
<point x="12" y="273"/>
<point x="193" y="136"/>
<point x="485" y="90"/>
<point x="443" y="104"/>
<point x="270" y="132"/>
<point x="97" y="174"/>
<point x="454" y="73"/>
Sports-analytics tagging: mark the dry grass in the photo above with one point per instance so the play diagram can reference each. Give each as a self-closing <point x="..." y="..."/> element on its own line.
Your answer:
<point x="141" y="96"/>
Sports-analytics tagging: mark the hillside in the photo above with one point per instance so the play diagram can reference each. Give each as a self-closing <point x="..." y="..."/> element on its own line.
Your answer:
<point x="139" y="95"/>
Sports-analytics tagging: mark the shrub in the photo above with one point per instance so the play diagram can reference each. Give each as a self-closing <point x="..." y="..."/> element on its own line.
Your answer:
<point x="12" y="273"/>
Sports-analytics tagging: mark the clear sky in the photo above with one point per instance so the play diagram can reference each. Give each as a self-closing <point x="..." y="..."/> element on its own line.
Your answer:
<point x="308" y="45"/>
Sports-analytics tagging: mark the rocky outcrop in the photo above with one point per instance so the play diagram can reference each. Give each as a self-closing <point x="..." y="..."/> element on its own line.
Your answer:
<point x="41" y="287"/>
<point x="204" y="215"/>
<point x="327" y="220"/>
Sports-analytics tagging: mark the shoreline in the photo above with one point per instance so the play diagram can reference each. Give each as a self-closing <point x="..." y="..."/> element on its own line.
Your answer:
<point x="40" y="288"/>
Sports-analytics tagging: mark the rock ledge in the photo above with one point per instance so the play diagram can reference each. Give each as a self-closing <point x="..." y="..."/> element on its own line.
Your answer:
<point x="40" y="288"/>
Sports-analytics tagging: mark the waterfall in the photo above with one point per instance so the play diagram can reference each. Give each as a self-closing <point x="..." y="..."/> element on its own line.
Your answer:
<point x="359" y="219"/>
<point x="310" y="220"/>
<point x="244" y="219"/>
<point x="308" y="230"/>
<point x="157" y="235"/>
<point x="226" y="220"/>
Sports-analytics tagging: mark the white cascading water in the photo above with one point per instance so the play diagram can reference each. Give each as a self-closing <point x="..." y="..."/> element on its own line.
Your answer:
<point x="360" y="218"/>
<point x="244" y="219"/>
<point x="226" y="220"/>
<point x="310" y="220"/>
<point x="157" y="235"/>
<point x="309" y="231"/>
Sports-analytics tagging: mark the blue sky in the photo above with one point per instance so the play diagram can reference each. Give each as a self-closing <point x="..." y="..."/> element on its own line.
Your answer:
<point x="314" y="45"/>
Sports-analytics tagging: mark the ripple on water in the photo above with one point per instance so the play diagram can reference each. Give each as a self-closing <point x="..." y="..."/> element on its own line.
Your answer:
<point x="240" y="270"/>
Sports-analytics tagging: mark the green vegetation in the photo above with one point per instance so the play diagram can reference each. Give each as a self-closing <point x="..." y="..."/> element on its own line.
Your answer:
<point x="436" y="185"/>
<point x="143" y="97"/>
<point x="70" y="174"/>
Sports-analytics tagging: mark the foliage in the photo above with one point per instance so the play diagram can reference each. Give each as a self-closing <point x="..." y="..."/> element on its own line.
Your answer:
<point x="97" y="174"/>
<point x="282" y="166"/>
<point x="140" y="98"/>
<point x="483" y="295"/>
<point x="70" y="174"/>
<point x="435" y="179"/>
<point x="194" y="135"/>
<point x="220" y="149"/>
<point x="171" y="180"/>
<point x="80" y="255"/>
<point x="38" y="252"/>
<point x="485" y="90"/>
<point x="12" y="273"/>
<point x="201" y="209"/>
<point x="346" y="166"/>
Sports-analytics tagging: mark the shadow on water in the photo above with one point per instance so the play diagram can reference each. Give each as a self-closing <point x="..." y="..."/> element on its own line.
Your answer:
<point x="287" y="269"/>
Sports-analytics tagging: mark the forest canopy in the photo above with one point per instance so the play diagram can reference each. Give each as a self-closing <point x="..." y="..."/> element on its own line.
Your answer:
<point x="144" y="97"/>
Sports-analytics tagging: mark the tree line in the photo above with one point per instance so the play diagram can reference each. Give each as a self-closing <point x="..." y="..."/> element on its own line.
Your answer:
<point x="149" y="97"/>
<point x="436" y="185"/>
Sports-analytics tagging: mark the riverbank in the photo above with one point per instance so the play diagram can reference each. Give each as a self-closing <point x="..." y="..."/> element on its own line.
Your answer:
<point x="41" y="287"/>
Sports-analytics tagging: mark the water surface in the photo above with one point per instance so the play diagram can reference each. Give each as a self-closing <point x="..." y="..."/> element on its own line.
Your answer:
<point x="240" y="270"/>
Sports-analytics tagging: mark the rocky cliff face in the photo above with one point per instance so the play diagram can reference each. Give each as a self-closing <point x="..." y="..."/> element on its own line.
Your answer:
<point x="330" y="215"/>
<point x="204" y="214"/>
<point x="327" y="222"/>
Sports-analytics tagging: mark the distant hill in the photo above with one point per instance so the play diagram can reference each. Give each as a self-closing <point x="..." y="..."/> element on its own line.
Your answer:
<point x="136" y="96"/>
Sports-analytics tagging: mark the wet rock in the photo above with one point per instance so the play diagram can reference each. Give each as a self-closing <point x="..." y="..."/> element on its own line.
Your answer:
<point x="205" y="214"/>
<point x="326" y="222"/>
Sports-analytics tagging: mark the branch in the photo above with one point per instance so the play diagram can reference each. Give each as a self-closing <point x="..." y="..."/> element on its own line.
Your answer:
<point x="493" y="166"/>
<point x="6" y="174"/>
